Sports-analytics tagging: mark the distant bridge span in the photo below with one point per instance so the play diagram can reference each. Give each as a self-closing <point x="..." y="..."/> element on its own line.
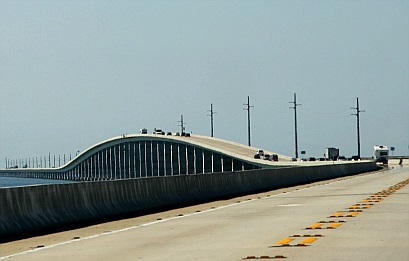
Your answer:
<point x="153" y="155"/>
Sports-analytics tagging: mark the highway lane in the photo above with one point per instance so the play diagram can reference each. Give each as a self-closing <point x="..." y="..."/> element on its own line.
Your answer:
<point x="250" y="229"/>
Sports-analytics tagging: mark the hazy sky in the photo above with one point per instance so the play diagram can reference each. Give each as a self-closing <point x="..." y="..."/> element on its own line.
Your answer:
<point x="74" y="73"/>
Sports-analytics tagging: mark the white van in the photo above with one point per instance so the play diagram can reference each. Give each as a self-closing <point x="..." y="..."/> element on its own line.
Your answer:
<point x="260" y="152"/>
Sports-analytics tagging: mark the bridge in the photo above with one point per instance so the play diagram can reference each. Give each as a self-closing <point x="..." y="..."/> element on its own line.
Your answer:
<point x="154" y="155"/>
<point x="137" y="172"/>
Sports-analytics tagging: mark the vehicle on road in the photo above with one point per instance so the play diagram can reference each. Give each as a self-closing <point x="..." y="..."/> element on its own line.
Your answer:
<point x="259" y="154"/>
<point x="274" y="157"/>
<point x="331" y="153"/>
<point x="158" y="131"/>
<point x="381" y="153"/>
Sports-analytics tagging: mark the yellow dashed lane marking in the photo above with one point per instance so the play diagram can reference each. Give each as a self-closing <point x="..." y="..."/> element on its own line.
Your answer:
<point x="354" y="210"/>
<point x="353" y="214"/>
<point x="285" y="241"/>
<point x="338" y="214"/>
<point x="371" y="200"/>
<point x="309" y="240"/>
<point x="334" y="225"/>
<point x="265" y="257"/>
<point x="359" y="207"/>
<point x="314" y="226"/>
<point x="382" y="195"/>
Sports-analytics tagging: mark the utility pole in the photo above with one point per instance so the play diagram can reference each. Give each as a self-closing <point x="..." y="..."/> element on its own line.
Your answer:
<point x="248" y="117"/>
<point x="182" y="124"/>
<point x="211" y="118"/>
<point x="295" y="123"/>
<point x="357" y="125"/>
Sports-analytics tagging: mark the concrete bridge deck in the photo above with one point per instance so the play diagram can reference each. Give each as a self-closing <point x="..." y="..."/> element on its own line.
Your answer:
<point x="148" y="155"/>
<point x="257" y="227"/>
<point x="240" y="149"/>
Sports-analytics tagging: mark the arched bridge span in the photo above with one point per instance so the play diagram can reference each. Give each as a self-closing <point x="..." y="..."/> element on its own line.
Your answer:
<point x="146" y="155"/>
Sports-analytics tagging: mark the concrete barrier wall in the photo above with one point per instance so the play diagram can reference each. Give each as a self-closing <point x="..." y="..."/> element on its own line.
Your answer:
<point x="24" y="209"/>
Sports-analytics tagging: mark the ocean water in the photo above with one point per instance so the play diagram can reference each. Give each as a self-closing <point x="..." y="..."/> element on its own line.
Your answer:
<point x="16" y="182"/>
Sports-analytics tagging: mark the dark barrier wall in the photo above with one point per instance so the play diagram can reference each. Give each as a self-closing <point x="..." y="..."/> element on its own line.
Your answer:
<point x="24" y="209"/>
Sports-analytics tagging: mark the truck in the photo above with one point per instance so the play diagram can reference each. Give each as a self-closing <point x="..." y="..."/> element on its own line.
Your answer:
<point x="381" y="153"/>
<point x="331" y="154"/>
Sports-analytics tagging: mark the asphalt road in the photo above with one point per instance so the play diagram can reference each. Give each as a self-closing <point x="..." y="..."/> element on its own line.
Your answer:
<point x="292" y="225"/>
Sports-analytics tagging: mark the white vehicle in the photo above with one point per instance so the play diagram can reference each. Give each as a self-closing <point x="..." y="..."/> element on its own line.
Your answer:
<point x="381" y="154"/>
<point x="260" y="152"/>
<point x="143" y="131"/>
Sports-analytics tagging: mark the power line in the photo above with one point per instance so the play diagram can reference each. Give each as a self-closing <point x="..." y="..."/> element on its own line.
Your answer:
<point x="357" y="125"/>
<point x="182" y="124"/>
<point x="211" y="118"/>
<point x="295" y="123"/>
<point x="248" y="117"/>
